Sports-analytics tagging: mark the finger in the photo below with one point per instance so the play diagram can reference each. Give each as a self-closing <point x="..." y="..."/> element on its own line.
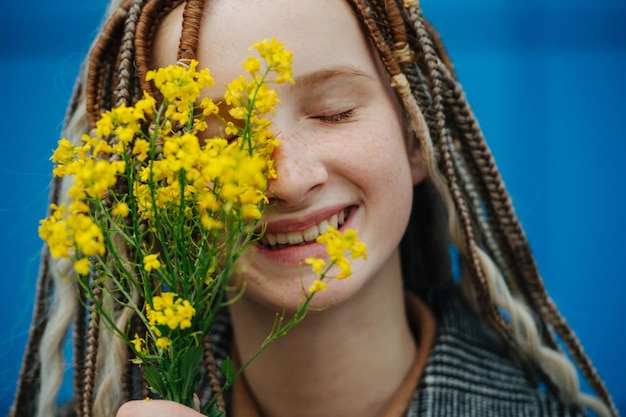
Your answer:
<point x="155" y="408"/>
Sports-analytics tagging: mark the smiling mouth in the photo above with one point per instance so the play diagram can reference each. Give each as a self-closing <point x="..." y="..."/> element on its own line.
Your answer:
<point x="280" y="240"/>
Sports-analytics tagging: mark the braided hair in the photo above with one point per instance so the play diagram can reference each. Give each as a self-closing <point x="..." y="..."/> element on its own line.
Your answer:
<point x="463" y="202"/>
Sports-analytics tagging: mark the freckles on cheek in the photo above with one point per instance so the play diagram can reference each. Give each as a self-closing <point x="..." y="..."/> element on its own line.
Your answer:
<point x="387" y="160"/>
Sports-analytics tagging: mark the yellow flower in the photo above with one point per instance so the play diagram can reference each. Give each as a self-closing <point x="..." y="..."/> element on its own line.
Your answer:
<point x="64" y="153"/>
<point x="175" y="178"/>
<point x="138" y="343"/>
<point x="317" y="285"/>
<point x="105" y="125"/>
<point x="185" y="312"/>
<point x="252" y="65"/>
<point x="345" y="269"/>
<point x="169" y="318"/>
<point x="121" y="209"/>
<point x="82" y="266"/>
<point x="99" y="146"/>
<point x="171" y="311"/>
<point x="278" y="58"/>
<point x="88" y="236"/>
<point x="358" y="250"/>
<point x="145" y="106"/>
<point x="122" y="120"/>
<point x="163" y="301"/>
<point x="317" y="264"/>
<point x="179" y="84"/>
<point x="338" y="244"/>
<point x="141" y="148"/>
<point x="163" y="342"/>
<point x="151" y="262"/>
<point x="208" y="107"/>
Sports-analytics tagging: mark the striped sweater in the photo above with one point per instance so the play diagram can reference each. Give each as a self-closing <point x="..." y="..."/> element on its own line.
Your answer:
<point x="468" y="372"/>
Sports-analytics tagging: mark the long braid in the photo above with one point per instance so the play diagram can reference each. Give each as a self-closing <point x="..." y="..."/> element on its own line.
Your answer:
<point x="127" y="375"/>
<point x="187" y="50"/>
<point x="466" y="190"/>
<point x="126" y="86"/>
<point x="139" y="26"/>
<point x="126" y="92"/>
<point x="80" y="353"/>
<point x="512" y="237"/>
<point x="487" y="237"/>
<point x="109" y="387"/>
<point x="109" y="81"/>
<point x="498" y="202"/>
<point x="118" y="377"/>
<point x="192" y="16"/>
<point x="101" y="65"/>
<point x="29" y="382"/>
<point x="442" y="135"/>
<point x="523" y="249"/>
<point x="503" y="224"/>
<point x="210" y="368"/>
<point x="491" y="234"/>
<point x="30" y="374"/>
<point x="89" y="377"/>
<point x="437" y="45"/>
<point x="420" y="90"/>
<point x="147" y="26"/>
<point x="499" y="209"/>
<point x="371" y="22"/>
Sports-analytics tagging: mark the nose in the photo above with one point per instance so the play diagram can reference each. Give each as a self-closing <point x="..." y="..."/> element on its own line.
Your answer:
<point x="300" y="171"/>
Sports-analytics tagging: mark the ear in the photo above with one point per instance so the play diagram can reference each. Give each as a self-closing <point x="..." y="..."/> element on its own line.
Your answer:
<point x="416" y="160"/>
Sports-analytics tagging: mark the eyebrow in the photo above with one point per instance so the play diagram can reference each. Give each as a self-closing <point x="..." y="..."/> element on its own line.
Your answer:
<point x="315" y="78"/>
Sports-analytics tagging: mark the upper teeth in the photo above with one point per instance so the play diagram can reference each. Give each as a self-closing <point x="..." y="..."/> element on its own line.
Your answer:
<point x="306" y="235"/>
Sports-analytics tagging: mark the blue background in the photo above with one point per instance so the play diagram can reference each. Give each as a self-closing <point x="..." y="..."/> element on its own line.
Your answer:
<point x="546" y="80"/>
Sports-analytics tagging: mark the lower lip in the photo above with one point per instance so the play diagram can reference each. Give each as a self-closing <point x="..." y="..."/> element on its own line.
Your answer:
<point x="296" y="254"/>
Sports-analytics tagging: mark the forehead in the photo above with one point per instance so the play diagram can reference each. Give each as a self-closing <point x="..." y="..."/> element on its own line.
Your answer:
<point x="319" y="33"/>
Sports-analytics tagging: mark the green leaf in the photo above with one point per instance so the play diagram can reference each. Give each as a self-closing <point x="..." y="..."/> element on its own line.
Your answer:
<point x="155" y="381"/>
<point x="190" y="365"/>
<point x="228" y="369"/>
<point x="214" y="412"/>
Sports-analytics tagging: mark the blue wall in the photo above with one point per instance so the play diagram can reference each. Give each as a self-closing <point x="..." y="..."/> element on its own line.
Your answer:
<point x="546" y="79"/>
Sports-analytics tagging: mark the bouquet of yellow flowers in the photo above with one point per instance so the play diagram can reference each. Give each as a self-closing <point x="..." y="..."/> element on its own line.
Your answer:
<point x="159" y="213"/>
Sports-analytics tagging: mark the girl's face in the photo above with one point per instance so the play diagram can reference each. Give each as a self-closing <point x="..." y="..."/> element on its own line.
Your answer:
<point x="343" y="154"/>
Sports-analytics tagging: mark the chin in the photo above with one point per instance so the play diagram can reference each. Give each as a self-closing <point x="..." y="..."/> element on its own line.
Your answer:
<point x="289" y="295"/>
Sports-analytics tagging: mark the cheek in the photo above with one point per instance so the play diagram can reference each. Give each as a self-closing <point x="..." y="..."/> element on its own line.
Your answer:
<point x="382" y="157"/>
<point x="386" y="178"/>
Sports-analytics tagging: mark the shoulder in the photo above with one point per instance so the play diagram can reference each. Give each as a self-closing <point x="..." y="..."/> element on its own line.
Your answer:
<point x="468" y="372"/>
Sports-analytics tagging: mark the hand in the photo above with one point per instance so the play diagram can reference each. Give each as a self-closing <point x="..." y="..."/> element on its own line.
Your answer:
<point x="156" y="408"/>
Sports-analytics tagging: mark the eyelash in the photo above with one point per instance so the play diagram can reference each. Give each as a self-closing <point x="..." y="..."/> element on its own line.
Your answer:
<point x="335" y="118"/>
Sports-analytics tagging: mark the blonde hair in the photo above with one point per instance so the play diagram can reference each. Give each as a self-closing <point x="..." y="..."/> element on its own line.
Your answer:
<point x="499" y="276"/>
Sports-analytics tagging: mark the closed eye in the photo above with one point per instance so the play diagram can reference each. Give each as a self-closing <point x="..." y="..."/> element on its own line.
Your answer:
<point x="335" y="118"/>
